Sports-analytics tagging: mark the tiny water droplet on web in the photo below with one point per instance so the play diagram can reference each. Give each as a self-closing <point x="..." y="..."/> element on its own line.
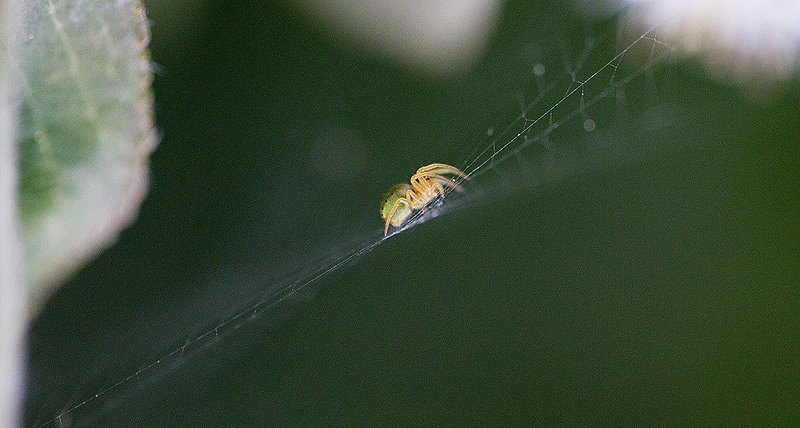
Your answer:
<point x="538" y="69"/>
<point x="490" y="131"/>
<point x="589" y="125"/>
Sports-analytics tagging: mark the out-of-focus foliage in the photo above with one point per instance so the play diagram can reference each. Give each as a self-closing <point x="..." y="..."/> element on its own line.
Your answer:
<point x="85" y="130"/>
<point x="440" y="38"/>
<point x="752" y="43"/>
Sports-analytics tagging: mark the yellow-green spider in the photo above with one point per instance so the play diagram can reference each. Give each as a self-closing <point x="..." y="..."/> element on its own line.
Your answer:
<point x="426" y="185"/>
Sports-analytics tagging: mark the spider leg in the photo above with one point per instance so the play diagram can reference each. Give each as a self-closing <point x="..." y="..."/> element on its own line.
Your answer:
<point x="436" y="178"/>
<point x="419" y="182"/>
<point x="414" y="199"/>
<point x="438" y="188"/>
<point x="440" y="168"/>
<point x="439" y="180"/>
<point x="425" y="187"/>
<point x="432" y="185"/>
<point x="391" y="213"/>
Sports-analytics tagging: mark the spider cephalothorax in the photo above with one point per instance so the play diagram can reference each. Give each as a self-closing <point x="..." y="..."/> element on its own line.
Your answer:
<point x="425" y="186"/>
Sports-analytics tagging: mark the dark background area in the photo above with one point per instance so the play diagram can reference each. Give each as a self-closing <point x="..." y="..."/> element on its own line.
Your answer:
<point x="657" y="285"/>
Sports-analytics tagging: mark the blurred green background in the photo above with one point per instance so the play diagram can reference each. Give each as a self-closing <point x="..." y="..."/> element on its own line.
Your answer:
<point x="643" y="273"/>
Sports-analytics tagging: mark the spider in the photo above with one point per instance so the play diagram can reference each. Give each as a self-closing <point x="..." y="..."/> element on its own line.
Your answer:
<point x="426" y="185"/>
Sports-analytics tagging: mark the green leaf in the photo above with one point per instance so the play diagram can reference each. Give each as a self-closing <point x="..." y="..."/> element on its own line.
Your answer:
<point x="84" y="131"/>
<point x="75" y="135"/>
